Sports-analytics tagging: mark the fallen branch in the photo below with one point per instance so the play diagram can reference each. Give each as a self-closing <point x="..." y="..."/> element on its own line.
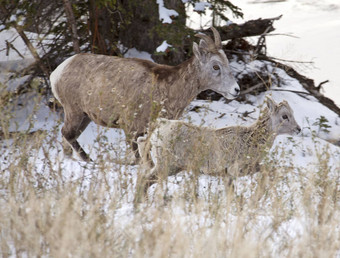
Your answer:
<point x="300" y="93"/>
<point x="293" y="91"/>
<point x="247" y="29"/>
<point x="252" y="88"/>
<point x="291" y="61"/>
<point x="259" y="85"/>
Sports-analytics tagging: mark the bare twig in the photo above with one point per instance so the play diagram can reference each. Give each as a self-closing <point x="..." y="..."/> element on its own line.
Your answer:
<point x="291" y="61"/>
<point x="28" y="43"/>
<point x="252" y="88"/>
<point x="283" y="34"/>
<point x="10" y="45"/>
<point x="259" y="85"/>
<point x="32" y="50"/>
<point x="320" y="84"/>
<point x="293" y="91"/>
<point x="261" y="43"/>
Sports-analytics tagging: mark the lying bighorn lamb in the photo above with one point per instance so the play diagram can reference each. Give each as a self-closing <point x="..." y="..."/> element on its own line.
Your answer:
<point x="128" y="92"/>
<point x="235" y="150"/>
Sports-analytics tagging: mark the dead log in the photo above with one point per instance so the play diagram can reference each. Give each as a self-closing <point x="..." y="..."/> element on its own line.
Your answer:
<point x="247" y="29"/>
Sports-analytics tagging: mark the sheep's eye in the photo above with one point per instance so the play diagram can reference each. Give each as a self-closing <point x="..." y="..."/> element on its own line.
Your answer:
<point x="285" y="117"/>
<point x="216" y="67"/>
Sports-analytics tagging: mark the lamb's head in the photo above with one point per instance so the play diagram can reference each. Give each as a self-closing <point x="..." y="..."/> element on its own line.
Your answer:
<point x="282" y="118"/>
<point x="215" y="73"/>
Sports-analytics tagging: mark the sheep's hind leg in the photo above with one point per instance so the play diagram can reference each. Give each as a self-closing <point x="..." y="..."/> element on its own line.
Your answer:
<point x="73" y="127"/>
<point x="145" y="179"/>
<point x="132" y="155"/>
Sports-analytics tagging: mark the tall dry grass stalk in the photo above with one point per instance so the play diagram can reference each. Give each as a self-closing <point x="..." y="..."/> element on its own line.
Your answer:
<point x="58" y="207"/>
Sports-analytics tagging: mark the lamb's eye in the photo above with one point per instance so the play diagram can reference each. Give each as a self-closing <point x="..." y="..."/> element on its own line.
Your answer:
<point x="285" y="117"/>
<point x="216" y="67"/>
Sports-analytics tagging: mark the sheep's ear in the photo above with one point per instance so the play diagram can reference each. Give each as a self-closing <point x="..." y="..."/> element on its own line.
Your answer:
<point x="271" y="104"/>
<point x="203" y="45"/>
<point x="199" y="51"/>
<point x="284" y="102"/>
<point x="196" y="51"/>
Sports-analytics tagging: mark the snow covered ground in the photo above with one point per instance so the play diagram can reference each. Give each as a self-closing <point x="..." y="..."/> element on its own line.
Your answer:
<point x="299" y="161"/>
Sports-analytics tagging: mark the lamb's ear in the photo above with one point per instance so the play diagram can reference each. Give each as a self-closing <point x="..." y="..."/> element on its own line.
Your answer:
<point x="199" y="51"/>
<point x="271" y="104"/>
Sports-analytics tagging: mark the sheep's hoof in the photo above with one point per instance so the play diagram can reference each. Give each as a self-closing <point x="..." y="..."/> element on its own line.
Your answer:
<point x="84" y="156"/>
<point x="67" y="149"/>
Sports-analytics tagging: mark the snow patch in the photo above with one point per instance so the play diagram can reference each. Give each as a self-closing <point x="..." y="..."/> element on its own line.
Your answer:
<point x="13" y="18"/>
<point x="163" y="47"/>
<point x="31" y="114"/>
<point x="134" y="53"/>
<point x="165" y="13"/>
<point x="200" y="6"/>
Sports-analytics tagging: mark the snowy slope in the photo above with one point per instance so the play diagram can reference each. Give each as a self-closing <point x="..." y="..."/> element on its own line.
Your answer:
<point x="300" y="155"/>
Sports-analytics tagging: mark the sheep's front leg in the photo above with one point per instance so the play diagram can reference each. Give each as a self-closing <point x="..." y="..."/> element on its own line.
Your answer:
<point x="74" y="125"/>
<point x="229" y="181"/>
<point x="145" y="179"/>
<point x="133" y="155"/>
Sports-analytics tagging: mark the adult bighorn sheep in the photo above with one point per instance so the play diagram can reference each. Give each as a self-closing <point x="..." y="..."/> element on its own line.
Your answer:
<point x="232" y="151"/>
<point x="128" y="92"/>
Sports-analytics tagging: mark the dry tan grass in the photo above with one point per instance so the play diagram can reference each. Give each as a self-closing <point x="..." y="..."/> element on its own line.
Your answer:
<point x="280" y="212"/>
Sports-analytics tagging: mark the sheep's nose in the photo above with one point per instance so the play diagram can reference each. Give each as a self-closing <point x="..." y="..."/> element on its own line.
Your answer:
<point x="298" y="129"/>
<point x="237" y="90"/>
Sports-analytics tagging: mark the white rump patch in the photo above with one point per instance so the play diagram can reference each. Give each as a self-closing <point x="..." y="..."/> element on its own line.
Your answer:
<point x="57" y="73"/>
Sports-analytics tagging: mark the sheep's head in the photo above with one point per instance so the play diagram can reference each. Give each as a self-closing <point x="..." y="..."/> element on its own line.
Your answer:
<point x="215" y="73"/>
<point x="282" y="117"/>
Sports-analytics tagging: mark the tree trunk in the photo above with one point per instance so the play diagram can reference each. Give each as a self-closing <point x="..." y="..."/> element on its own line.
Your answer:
<point x="103" y="31"/>
<point x="73" y="25"/>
